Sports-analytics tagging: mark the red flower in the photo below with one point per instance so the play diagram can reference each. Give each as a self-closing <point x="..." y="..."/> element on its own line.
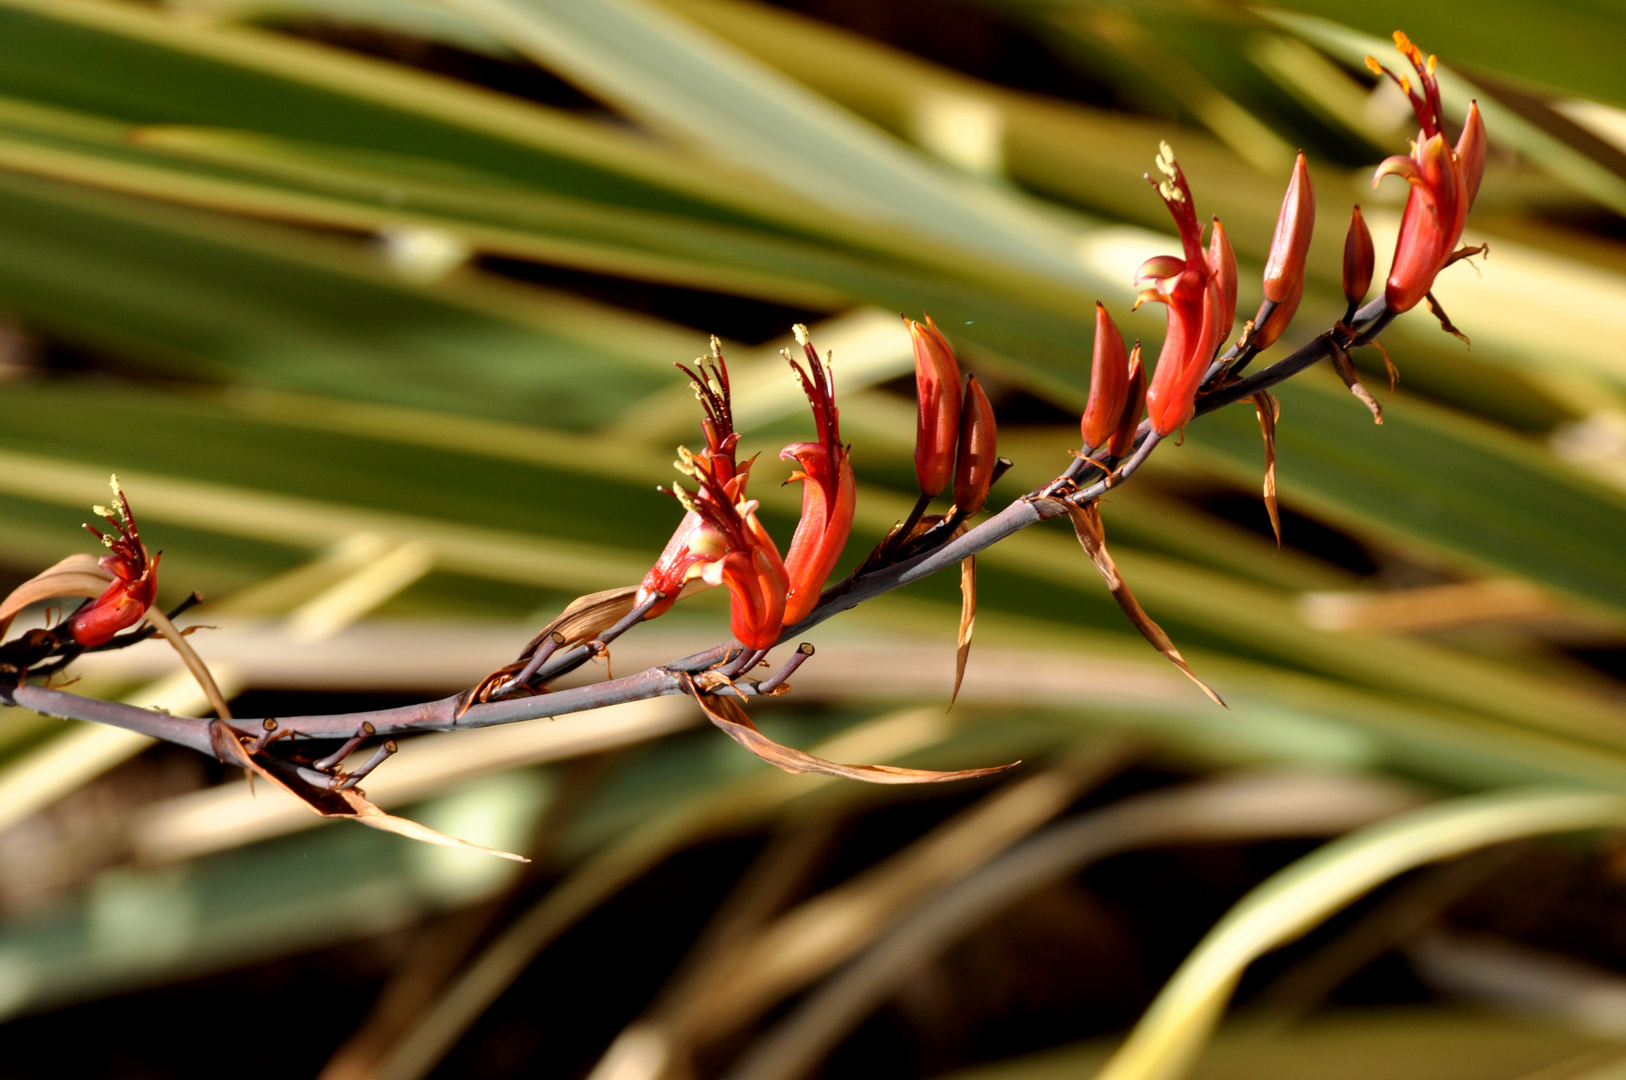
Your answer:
<point x="135" y="577"/>
<point x="1192" y="292"/>
<point x="1444" y="181"/>
<point x="979" y="451"/>
<point x="676" y="566"/>
<point x="937" y="389"/>
<point x="1109" y="383"/>
<point x="732" y="548"/>
<point x="828" y="491"/>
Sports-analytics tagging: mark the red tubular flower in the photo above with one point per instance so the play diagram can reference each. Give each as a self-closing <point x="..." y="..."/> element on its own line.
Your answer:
<point x="677" y="564"/>
<point x="1444" y="182"/>
<point x="1222" y="264"/>
<point x="731" y="548"/>
<point x="1190" y="290"/>
<point x="937" y="388"/>
<point x="979" y="451"/>
<point x="828" y="491"/>
<point x="1123" y="439"/>
<point x="1359" y="258"/>
<point x="1109" y="382"/>
<point x="1284" y="269"/>
<point x="135" y="577"/>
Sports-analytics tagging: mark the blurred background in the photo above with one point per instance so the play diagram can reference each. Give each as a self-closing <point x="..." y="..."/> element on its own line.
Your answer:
<point x="372" y="304"/>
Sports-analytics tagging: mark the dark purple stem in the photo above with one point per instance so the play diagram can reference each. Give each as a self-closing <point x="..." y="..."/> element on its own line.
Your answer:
<point x="660" y="681"/>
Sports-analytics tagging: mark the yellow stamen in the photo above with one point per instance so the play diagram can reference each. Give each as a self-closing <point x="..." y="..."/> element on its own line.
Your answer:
<point x="1431" y="61"/>
<point x="800" y="333"/>
<point x="1372" y="63"/>
<point x="1405" y="85"/>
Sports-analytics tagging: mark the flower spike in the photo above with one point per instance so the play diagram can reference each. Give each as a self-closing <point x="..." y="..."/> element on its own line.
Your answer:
<point x="829" y="493"/>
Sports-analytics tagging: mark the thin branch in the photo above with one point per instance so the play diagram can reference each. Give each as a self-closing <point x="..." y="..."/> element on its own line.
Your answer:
<point x="1040" y="505"/>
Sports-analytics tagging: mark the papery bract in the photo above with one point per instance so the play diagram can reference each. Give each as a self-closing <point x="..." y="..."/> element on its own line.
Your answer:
<point x="829" y="494"/>
<point x="1109" y="382"/>
<point x="1444" y="182"/>
<point x="135" y="577"/>
<point x="1194" y="302"/>
<point x="937" y="391"/>
<point x="979" y="450"/>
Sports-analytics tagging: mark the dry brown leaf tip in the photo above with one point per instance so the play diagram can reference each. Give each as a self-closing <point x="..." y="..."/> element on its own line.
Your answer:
<point x="1092" y="538"/>
<point x="730" y="718"/>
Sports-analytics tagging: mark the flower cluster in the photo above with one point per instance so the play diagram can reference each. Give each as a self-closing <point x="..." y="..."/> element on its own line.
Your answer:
<point x="1444" y="182"/>
<point x="720" y="541"/>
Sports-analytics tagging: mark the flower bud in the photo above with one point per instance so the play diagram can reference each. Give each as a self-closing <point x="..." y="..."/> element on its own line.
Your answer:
<point x="1284" y="270"/>
<point x="937" y="390"/>
<point x="1471" y="152"/>
<point x="1359" y="258"/>
<point x="1109" y="382"/>
<point x="1222" y="264"/>
<point x="979" y="450"/>
<point x="1123" y="439"/>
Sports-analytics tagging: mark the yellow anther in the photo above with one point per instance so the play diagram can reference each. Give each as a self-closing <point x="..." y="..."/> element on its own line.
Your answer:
<point x="1431" y="61"/>
<point x="1405" y="85"/>
<point x="800" y="333"/>
<point x="102" y="510"/>
<point x="1375" y="67"/>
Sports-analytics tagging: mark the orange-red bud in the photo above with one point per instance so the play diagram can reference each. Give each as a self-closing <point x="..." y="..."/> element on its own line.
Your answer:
<point x="937" y="390"/>
<point x="979" y="450"/>
<point x="1222" y="264"/>
<point x="1284" y="270"/>
<point x="1123" y="439"/>
<point x="1109" y="382"/>
<point x="1359" y="258"/>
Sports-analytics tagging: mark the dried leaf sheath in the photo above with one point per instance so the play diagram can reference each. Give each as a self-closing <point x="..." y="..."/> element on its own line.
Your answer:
<point x="1342" y="364"/>
<point x="727" y="714"/>
<point x="1269" y="410"/>
<point x="1093" y="538"/>
<point x="335" y="804"/>
<point x="968" y="621"/>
